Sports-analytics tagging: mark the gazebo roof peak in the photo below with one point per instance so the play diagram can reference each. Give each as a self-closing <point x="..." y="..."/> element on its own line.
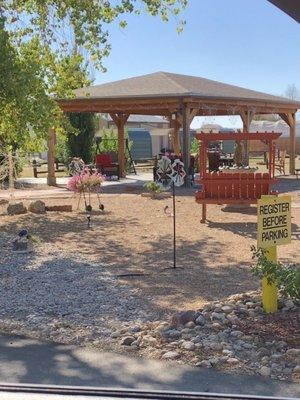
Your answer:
<point x="167" y="84"/>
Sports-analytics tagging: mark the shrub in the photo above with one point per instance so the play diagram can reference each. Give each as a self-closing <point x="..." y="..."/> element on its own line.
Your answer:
<point x="287" y="277"/>
<point x="153" y="187"/>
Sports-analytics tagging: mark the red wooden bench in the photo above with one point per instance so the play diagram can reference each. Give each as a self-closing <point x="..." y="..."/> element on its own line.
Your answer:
<point x="105" y="165"/>
<point x="222" y="188"/>
<point x="234" y="188"/>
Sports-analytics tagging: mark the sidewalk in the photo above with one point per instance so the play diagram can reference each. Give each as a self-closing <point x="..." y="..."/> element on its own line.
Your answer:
<point x="32" y="361"/>
<point x="36" y="188"/>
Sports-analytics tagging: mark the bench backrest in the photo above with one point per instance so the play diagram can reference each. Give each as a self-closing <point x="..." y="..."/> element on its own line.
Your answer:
<point x="103" y="159"/>
<point x="235" y="186"/>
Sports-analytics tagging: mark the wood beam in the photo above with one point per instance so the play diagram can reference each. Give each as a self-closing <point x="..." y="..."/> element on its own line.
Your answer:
<point x="186" y="112"/>
<point x="120" y="121"/>
<point x="246" y="116"/>
<point x="175" y="125"/>
<point x="290" y="119"/>
<point x="51" y="178"/>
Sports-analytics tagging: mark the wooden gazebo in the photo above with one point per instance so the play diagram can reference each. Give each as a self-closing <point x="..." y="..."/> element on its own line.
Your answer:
<point x="179" y="98"/>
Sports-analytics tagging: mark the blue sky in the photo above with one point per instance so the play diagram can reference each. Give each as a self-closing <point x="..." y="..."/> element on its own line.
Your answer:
<point x="248" y="43"/>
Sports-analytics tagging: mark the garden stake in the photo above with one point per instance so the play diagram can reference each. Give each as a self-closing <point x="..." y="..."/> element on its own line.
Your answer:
<point x="171" y="175"/>
<point x="174" y="228"/>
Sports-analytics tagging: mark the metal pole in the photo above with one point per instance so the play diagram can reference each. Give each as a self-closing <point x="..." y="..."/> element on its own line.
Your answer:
<point x="174" y="228"/>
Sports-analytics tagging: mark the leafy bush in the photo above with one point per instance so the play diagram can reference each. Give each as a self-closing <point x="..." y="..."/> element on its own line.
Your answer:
<point x="153" y="187"/>
<point x="195" y="146"/>
<point x="287" y="277"/>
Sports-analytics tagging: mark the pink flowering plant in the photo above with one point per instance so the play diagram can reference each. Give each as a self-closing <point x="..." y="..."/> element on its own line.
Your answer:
<point x="86" y="182"/>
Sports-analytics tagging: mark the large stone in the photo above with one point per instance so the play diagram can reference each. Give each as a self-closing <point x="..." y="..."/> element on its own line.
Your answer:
<point x="227" y="309"/>
<point x="37" y="207"/>
<point x="171" y="355"/>
<point x="127" y="340"/>
<point x="17" y="208"/>
<point x="172" y="333"/>
<point x="297" y="369"/>
<point x="265" y="371"/>
<point x="232" y="360"/>
<point x="190" y="346"/>
<point x="183" y="317"/>
<point x="216" y="346"/>
<point x="293" y="352"/>
<point x="220" y="317"/>
<point x="149" y="340"/>
<point x="204" y="363"/>
<point x="200" y="320"/>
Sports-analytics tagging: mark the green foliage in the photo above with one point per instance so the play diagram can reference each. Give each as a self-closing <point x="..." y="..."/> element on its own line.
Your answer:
<point x="81" y="144"/>
<point x="45" y="48"/>
<point x="86" y="22"/>
<point x="62" y="151"/>
<point x="109" y="143"/>
<point x="286" y="277"/>
<point x="153" y="187"/>
<point x="195" y="146"/>
<point x="26" y="110"/>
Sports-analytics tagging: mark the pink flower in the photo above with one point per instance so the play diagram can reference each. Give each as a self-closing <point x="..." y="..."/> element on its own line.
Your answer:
<point x="86" y="181"/>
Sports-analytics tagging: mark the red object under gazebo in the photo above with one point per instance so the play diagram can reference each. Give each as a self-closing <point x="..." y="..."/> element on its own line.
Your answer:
<point x="238" y="187"/>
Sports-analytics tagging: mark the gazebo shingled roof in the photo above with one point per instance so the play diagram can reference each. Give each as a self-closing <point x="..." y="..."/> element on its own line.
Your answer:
<point x="180" y="98"/>
<point x="153" y="88"/>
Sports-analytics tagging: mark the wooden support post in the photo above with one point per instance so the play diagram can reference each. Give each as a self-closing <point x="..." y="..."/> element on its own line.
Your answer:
<point x="186" y="118"/>
<point x="120" y="121"/>
<point x="203" y="219"/>
<point x="175" y="126"/>
<point x="290" y="119"/>
<point x="186" y="142"/>
<point x="51" y="179"/>
<point x="246" y="117"/>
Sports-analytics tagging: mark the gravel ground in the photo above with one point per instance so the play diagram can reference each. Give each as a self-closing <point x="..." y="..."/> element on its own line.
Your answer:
<point x="80" y="285"/>
<point x="63" y="297"/>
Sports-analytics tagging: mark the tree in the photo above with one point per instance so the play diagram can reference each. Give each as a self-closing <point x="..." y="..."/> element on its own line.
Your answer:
<point x="25" y="109"/>
<point x="292" y="92"/>
<point x="46" y="46"/>
<point x="61" y="24"/>
<point x="81" y="144"/>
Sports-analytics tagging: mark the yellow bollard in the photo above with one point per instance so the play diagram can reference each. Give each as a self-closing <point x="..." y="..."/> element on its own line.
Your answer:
<point x="269" y="292"/>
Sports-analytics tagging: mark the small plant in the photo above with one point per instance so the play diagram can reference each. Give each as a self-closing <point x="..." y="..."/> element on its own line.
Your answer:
<point x="87" y="182"/>
<point x="287" y="277"/>
<point x="153" y="187"/>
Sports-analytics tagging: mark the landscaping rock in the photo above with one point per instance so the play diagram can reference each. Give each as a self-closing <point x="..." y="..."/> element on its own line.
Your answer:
<point x="232" y="360"/>
<point x="293" y="352"/>
<point x="127" y="340"/>
<point x="297" y="369"/>
<point x="227" y="309"/>
<point x="204" y="363"/>
<point x="17" y="208"/>
<point x="183" y="317"/>
<point x="218" y="317"/>
<point x="37" y="207"/>
<point x="190" y="325"/>
<point x="265" y="371"/>
<point x="200" y="320"/>
<point x="190" y="346"/>
<point x="170" y="355"/>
